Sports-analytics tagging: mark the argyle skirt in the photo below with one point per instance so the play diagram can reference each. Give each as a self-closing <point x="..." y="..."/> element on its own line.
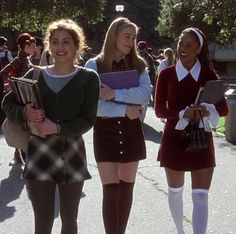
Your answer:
<point x="57" y="159"/>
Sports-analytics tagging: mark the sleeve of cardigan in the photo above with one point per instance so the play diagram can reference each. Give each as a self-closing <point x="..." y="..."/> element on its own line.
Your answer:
<point x="14" y="111"/>
<point x="161" y="97"/>
<point x="87" y="114"/>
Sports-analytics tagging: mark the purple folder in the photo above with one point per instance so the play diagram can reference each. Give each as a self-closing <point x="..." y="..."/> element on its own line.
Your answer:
<point x="120" y="79"/>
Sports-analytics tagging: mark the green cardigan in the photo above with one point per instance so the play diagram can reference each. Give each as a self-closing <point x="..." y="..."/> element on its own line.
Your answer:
<point x="74" y="107"/>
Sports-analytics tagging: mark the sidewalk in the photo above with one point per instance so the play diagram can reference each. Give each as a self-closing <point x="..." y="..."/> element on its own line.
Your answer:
<point x="150" y="213"/>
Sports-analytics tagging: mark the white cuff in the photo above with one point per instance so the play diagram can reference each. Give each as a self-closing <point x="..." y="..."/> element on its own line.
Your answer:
<point x="213" y="117"/>
<point x="183" y="122"/>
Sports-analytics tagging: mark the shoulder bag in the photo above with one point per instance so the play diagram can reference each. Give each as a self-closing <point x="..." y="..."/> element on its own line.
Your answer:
<point x="17" y="134"/>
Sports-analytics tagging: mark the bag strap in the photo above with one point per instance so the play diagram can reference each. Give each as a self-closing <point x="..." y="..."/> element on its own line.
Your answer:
<point x="201" y="119"/>
<point x="36" y="72"/>
<point x="47" y="57"/>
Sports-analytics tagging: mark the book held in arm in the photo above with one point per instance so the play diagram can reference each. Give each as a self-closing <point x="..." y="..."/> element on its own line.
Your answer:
<point x="213" y="92"/>
<point x="27" y="91"/>
<point x="121" y="80"/>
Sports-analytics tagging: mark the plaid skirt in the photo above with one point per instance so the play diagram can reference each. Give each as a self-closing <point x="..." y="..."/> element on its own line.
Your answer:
<point x="118" y="140"/>
<point x="57" y="159"/>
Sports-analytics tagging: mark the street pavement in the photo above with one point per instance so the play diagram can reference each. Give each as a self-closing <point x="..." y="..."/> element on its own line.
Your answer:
<point x="150" y="213"/>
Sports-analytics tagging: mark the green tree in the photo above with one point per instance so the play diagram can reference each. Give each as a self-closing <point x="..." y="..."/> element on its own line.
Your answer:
<point x="142" y="12"/>
<point x="216" y="18"/>
<point x="35" y="15"/>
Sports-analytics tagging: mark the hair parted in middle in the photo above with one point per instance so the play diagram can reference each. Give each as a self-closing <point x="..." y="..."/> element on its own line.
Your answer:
<point x="69" y="26"/>
<point x="107" y="53"/>
<point x="204" y="55"/>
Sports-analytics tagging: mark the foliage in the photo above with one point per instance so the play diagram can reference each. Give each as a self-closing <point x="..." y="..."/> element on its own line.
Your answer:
<point x="35" y="15"/>
<point x="143" y="13"/>
<point x="220" y="127"/>
<point x="93" y="15"/>
<point x="216" y="18"/>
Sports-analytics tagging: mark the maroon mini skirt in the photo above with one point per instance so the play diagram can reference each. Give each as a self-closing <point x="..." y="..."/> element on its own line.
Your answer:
<point x="118" y="140"/>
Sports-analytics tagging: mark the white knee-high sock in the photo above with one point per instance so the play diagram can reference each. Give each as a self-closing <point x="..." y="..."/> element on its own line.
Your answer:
<point x="175" y="199"/>
<point x="200" y="210"/>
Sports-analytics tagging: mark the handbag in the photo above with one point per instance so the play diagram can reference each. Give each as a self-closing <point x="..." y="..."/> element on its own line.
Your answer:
<point x="17" y="134"/>
<point x="195" y="136"/>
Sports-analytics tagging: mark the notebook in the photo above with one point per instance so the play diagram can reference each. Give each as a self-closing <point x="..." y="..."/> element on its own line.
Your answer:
<point x="120" y="79"/>
<point x="27" y="91"/>
<point x="212" y="93"/>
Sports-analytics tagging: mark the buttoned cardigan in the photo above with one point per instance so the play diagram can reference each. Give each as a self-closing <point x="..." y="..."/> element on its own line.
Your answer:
<point x="74" y="107"/>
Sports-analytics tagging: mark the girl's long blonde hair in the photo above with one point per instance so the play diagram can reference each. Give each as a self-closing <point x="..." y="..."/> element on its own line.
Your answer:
<point x="107" y="53"/>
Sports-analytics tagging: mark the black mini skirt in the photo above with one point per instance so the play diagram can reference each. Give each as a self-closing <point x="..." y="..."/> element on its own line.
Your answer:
<point x="118" y="140"/>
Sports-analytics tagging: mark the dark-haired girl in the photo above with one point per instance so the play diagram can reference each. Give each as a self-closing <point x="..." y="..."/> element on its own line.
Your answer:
<point x="176" y="91"/>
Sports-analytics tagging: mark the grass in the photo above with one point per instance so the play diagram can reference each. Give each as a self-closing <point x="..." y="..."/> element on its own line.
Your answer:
<point x="221" y="126"/>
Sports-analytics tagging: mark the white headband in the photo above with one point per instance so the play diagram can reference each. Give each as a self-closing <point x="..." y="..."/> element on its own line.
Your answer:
<point x="200" y="38"/>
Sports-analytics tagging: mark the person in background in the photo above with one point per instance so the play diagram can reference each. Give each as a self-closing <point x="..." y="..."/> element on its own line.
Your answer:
<point x="143" y="51"/>
<point x="118" y="135"/>
<point x="176" y="91"/>
<point x="156" y="63"/>
<point x="160" y="55"/>
<point x="17" y="68"/>
<point x="46" y="58"/>
<point x="58" y="158"/>
<point x="88" y="53"/>
<point x="5" y="58"/>
<point x="168" y="60"/>
<point x="4" y="53"/>
<point x="35" y="59"/>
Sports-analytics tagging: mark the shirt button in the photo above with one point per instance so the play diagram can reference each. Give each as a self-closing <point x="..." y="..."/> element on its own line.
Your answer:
<point x="121" y="152"/>
<point x="120" y="132"/>
<point x="121" y="142"/>
<point x="118" y="122"/>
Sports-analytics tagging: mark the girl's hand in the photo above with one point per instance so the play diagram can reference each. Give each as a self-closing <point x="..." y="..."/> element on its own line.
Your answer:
<point x="133" y="112"/>
<point x="47" y="127"/>
<point x="106" y="93"/>
<point x="204" y="111"/>
<point x="33" y="114"/>
<point x="199" y="109"/>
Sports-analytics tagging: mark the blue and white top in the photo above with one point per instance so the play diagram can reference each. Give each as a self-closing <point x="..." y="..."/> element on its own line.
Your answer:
<point x="136" y="95"/>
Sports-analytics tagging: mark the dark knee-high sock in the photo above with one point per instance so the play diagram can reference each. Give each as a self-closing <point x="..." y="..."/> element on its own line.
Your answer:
<point x="126" y="198"/>
<point x="110" y="207"/>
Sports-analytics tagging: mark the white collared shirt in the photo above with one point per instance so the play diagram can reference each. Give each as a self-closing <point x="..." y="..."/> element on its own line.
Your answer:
<point x="182" y="72"/>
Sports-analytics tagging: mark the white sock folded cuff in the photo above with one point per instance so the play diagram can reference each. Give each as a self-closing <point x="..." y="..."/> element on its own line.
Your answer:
<point x="175" y="190"/>
<point x="205" y="191"/>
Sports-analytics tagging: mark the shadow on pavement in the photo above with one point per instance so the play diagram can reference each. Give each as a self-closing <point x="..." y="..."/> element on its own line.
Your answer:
<point x="151" y="134"/>
<point x="10" y="190"/>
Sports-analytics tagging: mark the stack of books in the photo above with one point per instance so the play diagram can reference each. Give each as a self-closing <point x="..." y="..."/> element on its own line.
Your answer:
<point x="27" y="91"/>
